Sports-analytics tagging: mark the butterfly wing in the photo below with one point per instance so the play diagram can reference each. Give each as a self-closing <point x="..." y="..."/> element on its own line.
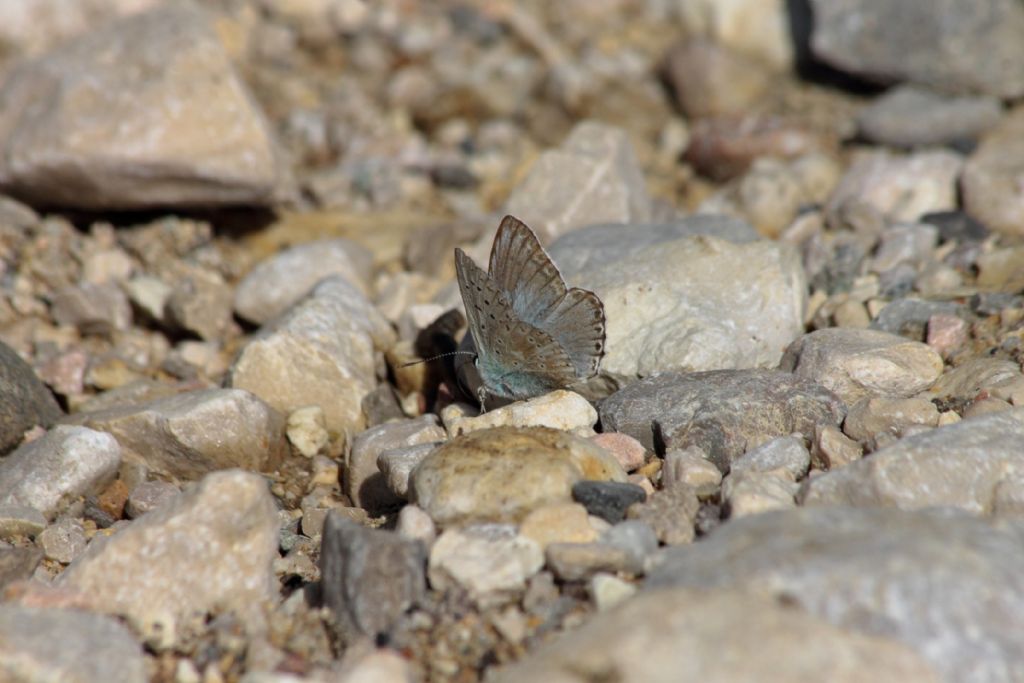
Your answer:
<point x="515" y="359"/>
<point x="538" y="295"/>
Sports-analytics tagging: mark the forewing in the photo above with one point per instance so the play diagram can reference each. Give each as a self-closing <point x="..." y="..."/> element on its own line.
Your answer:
<point x="521" y="267"/>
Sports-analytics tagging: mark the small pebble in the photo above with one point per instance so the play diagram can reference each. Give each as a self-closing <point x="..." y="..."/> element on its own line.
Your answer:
<point x="607" y="499"/>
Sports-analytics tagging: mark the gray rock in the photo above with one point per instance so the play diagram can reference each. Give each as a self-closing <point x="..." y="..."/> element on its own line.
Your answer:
<point x="369" y="577"/>
<point x="580" y="561"/>
<point x="691" y="467"/>
<point x="278" y="282"/>
<point x="856" y="363"/>
<point x="936" y="43"/>
<point x="593" y="177"/>
<point x="959" y="465"/>
<point x="18" y="564"/>
<point x="900" y="187"/>
<point x="909" y="317"/>
<point x="697" y="303"/>
<point x="109" y="121"/>
<point x="607" y="499"/>
<point x="587" y="248"/>
<point x="637" y="538"/>
<point x="187" y="435"/>
<point x="910" y="243"/>
<point x="677" y="634"/>
<point x="148" y="496"/>
<point x="965" y="381"/>
<point x="42" y="644"/>
<point x="64" y="540"/>
<point x="65" y="463"/>
<point x="319" y="353"/>
<point x="672" y="513"/>
<point x="872" y="420"/>
<point x="490" y="563"/>
<point x="24" y="400"/>
<point x="722" y="412"/>
<point x="786" y="456"/>
<point x="364" y="481"/>
<point x="753" y="493"/>
<point x="100" y="309"/>
<point x="909" y="116"/>
<point x="991" y="177"/>
<point x="211" y="549"/>
<point x="199" y="302"/>
<point x="862" y="570"/>
<point x="397" y="464"/>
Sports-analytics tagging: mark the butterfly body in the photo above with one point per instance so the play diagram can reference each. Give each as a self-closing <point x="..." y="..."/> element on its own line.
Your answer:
<point x="532" y="333"/>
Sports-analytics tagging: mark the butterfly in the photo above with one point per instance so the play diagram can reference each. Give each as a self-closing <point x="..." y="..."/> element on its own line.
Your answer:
<point x="532" y="333"/>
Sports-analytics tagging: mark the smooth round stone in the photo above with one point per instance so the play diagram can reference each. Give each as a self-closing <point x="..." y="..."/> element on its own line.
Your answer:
<point x="579" y="561"/>
<point x="855" y="363"/>
<point x="751" y="493"/>
<point x="559" y="523"/>
<point x="909" y="116"/>
<point x="608" y="499"/>
<point x="415" y="524"/>
<point x="490" y="562"/>
<point x="992" y="176"/>
<point x="565" y="410"/>
<point x="502" y="474"/>
<point x="784" y="456"/>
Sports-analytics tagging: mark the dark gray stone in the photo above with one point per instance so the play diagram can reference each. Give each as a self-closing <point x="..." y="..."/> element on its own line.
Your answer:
<point x="909" y="317"/>
<point x="369" y="577"/>
<point x="607" y="499"/>
<point x="912" y="117"/>
<point x="596" y="245"/>
<point x="949" y="45"/>
<point x="945" y="583"/>
<point x="719" y="411"/>
<point x="24" y="400"/>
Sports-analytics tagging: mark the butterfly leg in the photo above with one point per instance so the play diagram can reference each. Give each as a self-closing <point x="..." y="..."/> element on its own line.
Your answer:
<point x="481" y="395"/>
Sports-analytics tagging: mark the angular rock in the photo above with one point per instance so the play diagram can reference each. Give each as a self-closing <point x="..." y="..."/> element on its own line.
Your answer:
<point x="697" y="303"/>
<point x="491" y="563"/>
<point x="901" y="188"/>
<point x="593" y="177"/>
<point x="148" y="496"/>
<point x="145" y="111"/>
<point x="672" y="513"/>
<point x="93" y="648"/>
<point x="189" y="434"/>
<point x="320" y="353"/>
<point x="858" y="363"/>
<point x="673" y="634"/>
<point x="199" y="303"/>
<point x="925" y="43"/>
<point x="100" y="309"/>
<point x="580" y="561"/>
<point x="558" y="523"/>
<point x="24" y="400"/>
<point x="758" y="29"/>
<point x="960" y="465"/>
<point x="607" y="499"/>
<point x="63" y="540"/>
<point x="369" y="578"/>
<point x="282" y="280"/>
<point x="723" y="412"/>
<point x="18" y="564"/>
<point x="561" y="409"/>
<point x="691" y="467"/>
<point x="502" y="474"/>
<point x="752" y="493"/>
<point x="397" y="464"/>
<point x="785" y="456"/>
<point x="708" y="80"/>
<point x="909" y="317"/>
<point x="993" y="175"/>
<point x="628" y="451"/>
<point x="862" y="569"/>
<point x="209" y="550"/>
<point x="365" y="483"/>
<point x="594" y="246"/>
<point x="63" y="464"/>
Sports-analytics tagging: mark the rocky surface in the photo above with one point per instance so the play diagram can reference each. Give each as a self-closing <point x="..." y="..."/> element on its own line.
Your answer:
<point x="238" y="422"/>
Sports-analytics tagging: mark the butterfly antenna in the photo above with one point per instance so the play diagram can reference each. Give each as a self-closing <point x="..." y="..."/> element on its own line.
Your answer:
<point x="442" y="355"/>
